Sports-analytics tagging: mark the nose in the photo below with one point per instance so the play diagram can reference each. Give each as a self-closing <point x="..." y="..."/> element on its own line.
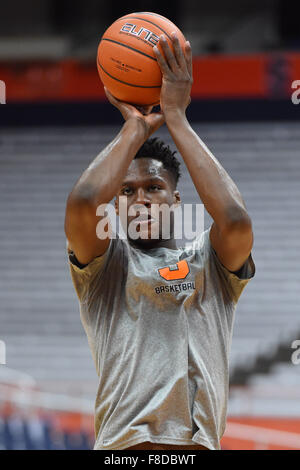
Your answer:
<point x="142" y="199"/>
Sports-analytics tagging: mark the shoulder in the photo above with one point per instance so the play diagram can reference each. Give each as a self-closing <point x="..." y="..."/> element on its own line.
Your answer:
<point x="231" y="282"/>
<point x="100" y="269"/>
<point x="116" y="245"/>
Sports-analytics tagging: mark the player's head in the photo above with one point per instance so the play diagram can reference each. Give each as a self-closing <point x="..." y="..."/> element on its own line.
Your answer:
<point x="150" y="182"/>
<point x="156" y="149"/>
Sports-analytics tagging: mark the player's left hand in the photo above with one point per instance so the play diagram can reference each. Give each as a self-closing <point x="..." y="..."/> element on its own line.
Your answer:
<point x="177" y="75"/>
<point x="143" y="114"/>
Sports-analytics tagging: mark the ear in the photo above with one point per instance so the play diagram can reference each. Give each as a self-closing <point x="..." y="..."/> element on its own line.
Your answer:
<point x="177" y="198"/>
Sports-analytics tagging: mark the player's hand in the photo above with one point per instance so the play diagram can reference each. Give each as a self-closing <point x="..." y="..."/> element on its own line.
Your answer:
<point x="143" y="114"/>
<point x="177" y="75"/>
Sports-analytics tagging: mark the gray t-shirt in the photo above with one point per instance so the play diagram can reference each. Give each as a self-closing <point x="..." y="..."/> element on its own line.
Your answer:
<point x="159" y="324"/>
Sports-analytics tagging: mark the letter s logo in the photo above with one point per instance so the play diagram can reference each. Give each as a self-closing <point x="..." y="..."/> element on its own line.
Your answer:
<point x="174" y="274"/>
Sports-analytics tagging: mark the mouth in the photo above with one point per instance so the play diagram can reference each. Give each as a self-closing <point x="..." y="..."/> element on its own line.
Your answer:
<point x="143" y="219"/>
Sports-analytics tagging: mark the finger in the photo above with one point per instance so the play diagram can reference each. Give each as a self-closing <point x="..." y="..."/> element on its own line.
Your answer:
<point x="108" y="94"/>
<point x="161" y="61"/>
<point x="125" y="109"/>
<point x="119" y="104"/>
<point x="145" y="110"/>
<point x="178" y="52"/>
<point x="111" y="98"/>
<point x="168" y="53"/>
<point x="189" y="58"/>
<point x="148" y="109"/>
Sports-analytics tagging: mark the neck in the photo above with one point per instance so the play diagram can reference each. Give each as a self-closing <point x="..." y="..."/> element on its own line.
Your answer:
<point x="148" y="244"/>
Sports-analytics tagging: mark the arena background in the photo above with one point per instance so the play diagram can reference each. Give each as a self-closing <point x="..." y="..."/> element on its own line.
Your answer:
<point x="56" y="119"/>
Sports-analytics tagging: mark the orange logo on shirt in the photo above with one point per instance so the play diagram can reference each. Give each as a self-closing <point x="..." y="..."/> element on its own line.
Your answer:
<point x="174" y="274"/>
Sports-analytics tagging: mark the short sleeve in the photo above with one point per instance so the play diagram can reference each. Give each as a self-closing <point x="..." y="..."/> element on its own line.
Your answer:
<point x="82" y="275"/>
<point x="233" y="282"/>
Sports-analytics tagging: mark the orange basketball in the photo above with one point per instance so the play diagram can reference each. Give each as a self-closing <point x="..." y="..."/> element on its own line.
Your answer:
<point x="126" y="62"/>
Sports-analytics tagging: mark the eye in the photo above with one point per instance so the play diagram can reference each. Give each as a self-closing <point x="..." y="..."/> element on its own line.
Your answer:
<point x="126" y="191"/>
<point x="155" y="186"/>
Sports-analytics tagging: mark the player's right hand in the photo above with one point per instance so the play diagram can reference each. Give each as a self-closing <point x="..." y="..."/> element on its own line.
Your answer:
<point x="151" y="121"/>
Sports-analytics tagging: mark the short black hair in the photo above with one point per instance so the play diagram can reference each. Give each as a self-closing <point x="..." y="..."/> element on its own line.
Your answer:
<point x="158" y="150"/>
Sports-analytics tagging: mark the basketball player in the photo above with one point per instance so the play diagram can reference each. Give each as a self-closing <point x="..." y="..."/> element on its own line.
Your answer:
<point x="159" y="318"/>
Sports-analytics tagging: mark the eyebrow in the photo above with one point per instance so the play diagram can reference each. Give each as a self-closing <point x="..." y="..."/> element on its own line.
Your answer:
<point x="150" y="179"/>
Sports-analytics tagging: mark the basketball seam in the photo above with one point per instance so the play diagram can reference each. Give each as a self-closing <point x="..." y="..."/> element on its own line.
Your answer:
<point x="148" y="21"/>
<point x="125" y="83"/>
<point x="156" y="15"/>
<point x="130" y="47"/>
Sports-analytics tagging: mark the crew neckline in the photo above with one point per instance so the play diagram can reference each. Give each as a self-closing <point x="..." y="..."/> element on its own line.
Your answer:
<point x="156" y="250"/>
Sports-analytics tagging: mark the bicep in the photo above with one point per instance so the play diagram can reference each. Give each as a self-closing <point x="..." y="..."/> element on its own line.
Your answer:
<point x="233" y="245"/>
<point x="81" y="231"/>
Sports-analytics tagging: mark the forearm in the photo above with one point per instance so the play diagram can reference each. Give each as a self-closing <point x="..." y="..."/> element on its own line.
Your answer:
<point x="100" y="182"/>
<point x="216" y="189"/>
